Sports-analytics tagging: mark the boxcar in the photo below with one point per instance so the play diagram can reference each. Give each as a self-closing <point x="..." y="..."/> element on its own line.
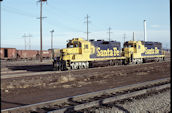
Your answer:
<point x="27" y="54"/>
<point x="8" y="53"/>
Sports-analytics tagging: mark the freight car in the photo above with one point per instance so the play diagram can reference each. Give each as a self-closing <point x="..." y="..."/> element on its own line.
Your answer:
<point x="27" y="54"/>
<point x="14" y="54"/>
<point x="8" y="53"/>
<point x="84" y="54"/>
<point x="46" y="54"/>
<point x="33" y="54"/>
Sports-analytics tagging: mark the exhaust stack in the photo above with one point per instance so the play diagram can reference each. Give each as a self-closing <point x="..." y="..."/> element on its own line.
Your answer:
<point x="145" y="38"/>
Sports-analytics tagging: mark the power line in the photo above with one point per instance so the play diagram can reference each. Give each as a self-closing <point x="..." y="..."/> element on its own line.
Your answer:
<point x="26" y="14"/>
<point x="13" y="10"/>
<point x="17" y="11"/>
<point x="60" y="22"/>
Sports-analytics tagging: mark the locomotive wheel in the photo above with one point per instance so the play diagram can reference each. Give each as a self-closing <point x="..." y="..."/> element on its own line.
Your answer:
<point x="56" y="69"/>
<point x="55" y="66"/>
<point x="79" y="65"/>
<point x="86" y="65"/>
<point x="72" y="66"/>
<point x="111" y="63"/>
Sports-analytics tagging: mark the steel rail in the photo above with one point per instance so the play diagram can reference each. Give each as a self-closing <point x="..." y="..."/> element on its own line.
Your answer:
<point x="27" y="74"/>
<point x="13" y="72"/>
<point x="6" y="76"/>
<point x="33" y="107"/>
<point x="109" y="100"/>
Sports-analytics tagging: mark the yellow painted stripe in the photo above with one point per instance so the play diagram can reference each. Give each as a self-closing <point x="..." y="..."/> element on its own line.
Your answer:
<point x="153" y="56"/>
<point x="99" y="59"/>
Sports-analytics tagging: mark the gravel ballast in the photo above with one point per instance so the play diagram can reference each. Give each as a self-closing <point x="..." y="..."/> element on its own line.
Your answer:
<point x="156" y="103"/>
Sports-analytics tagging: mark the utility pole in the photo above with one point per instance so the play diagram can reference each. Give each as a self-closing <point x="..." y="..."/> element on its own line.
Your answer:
<point x="29" y="44"/>
<point x="41" y="28"/>
<point x="145" y="38"/>
<point x="29" y="41"/>
<point x="52" y="39"/>
<point x="0" y="19"/>
<point x="87" y="25"/>
<point x="109" y="33"/>
<point x="52" y="51"/>
<point x="133" y="36"/>
<point x="124" y="37"/>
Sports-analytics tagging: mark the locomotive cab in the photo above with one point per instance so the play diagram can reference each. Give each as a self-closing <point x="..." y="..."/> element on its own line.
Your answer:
<point x="73" y="47"/>
<point x="132" y="51"/>
<point x="77" y="50"/>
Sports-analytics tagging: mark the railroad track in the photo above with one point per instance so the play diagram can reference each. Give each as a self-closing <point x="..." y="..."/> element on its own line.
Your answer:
<point x="86" y="101"/>
<point x="13" y="72"/>
<point x="22" y="73"/>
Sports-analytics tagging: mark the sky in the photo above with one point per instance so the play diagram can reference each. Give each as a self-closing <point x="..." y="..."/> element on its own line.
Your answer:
<point x="67" y="19"/>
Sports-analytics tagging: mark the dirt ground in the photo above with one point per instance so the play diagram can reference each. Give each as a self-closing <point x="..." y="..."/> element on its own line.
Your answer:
<point x="33" y="89"/>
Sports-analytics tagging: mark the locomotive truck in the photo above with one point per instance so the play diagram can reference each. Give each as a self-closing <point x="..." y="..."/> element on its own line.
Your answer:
<point x="81" y="53"/>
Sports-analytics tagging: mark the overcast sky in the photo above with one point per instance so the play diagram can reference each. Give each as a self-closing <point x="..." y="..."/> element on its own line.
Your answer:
<point x="67" y="18"/>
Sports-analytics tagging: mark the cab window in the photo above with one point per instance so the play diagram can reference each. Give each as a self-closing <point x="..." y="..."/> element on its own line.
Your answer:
<point x="128" y="45"/>
<point x="69" y="45"/>
<point x="85" y="46"/>
<point x="72" y="45"/>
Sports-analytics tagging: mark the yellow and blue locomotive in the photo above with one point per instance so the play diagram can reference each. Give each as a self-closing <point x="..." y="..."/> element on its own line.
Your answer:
<point x="84" y="54"/>
<point x="81" y="53"/>
<point x="137" y="52"/>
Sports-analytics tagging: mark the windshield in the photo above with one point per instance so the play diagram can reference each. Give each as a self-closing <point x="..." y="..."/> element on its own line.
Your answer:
<point x="74" y="44"/>
<point x="129" y="45"/>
